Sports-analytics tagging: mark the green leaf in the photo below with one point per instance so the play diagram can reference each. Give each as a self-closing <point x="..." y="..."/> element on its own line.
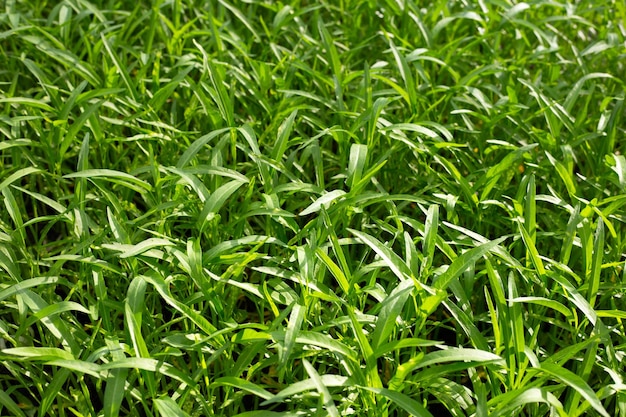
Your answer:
<point x="216" y="201"/>
<point x="319" y="340"/>
<point x="29" y="102"/>
<point x="457" y="354"/>
<point x="307" y="385"/>
<point x="129" y="251"/>
<point x="461" y="263"/>
<point x="576" y="89"/>
<point x="334" y="270"/>
<point x="391" y="308"/>
<point x="55" y="309"/>
<point x="168" y="408"/>
<point x="331" y="50"/>
<point x="161" y="287"/>
<point x="114" y="392"/>
<point x="553" y="304"/>
<point x="575" y="297"/>
<point x="596" y="263"/>
<point x="82" y="367"/>
<point x="15" y="212"/>
<point x="531" y="250"/>
<point x="405" y="74"/>
<point x="284" y="131"/>
<point x="197" y="145"/>
<point x="467" y="324"/>
<point x="430" y="239"/>
<point x="123" y="72"/>
<point x="165" y="92"/>
<point x="404" y="343"/>
<point x="151" y="365"/>
<point x="55" y="325"/>
<point x="617" y="314"/>
<point x="243" y="385"/>
<point x="564" y="174"/>
<point x="403" y="401"/>
<point x="250" y="137"/>
<point x="318" y="382"/>
<point x="356" y="165"/>
<point x="72" y="132"/>
<point x="133" y="310"/>
<point x="113" y="176"/>
<point x="571" y="379"/>
<point x="7" y="401"/>
<point x="460" y="179"/>
<point x="39" y="353"/>
<point x="323" y="201"/>
<point x="17" y="175"/>
<point x="293" y="329"/>
<point x="530" y="209"/>
<point x="52" y="391"/>
<point x="507" y="162"/>
<point x="506" y="403"/>
<point x="393" y="261"/>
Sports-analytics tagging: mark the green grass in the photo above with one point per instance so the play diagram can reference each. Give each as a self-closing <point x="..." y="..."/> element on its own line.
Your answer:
<point x="367" y="208"/>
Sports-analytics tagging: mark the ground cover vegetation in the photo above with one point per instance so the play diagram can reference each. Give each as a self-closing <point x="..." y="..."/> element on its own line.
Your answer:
<point x="312" y="208"/>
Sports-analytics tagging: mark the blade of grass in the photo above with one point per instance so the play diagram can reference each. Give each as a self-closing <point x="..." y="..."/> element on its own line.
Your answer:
<point x="461" y="263"/>
<point x="168" y="408"/>
<point x="577" y="383"/>
<point x="318" y="382"/>
<point x="293" y="328"/>
<point x="10" y="405"/>
<point x="216" y="201"/>
<point x="391" y="309"/>
<point x="122" y="178"/>
<point x="596" y="263"/>
<point x="115" y="383"/>
<point x="403" y="401"/>
<point x="430" y="241"/>
<point x="393" y="261"/>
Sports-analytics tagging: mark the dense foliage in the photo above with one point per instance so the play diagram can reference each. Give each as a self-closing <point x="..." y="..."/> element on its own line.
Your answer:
<point x="257" y="208"/>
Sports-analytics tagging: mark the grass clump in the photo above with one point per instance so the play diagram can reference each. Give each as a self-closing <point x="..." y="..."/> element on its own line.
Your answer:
<point x="258" y="208"/>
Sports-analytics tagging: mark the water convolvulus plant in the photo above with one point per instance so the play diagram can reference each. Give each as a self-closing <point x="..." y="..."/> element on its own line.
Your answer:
<point x="266" y="208"/>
